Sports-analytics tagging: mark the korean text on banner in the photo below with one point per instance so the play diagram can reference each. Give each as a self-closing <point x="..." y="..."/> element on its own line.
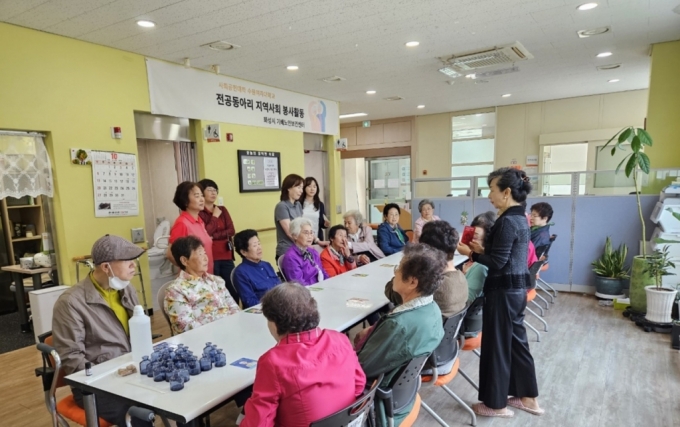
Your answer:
<point x="196" y="94"/>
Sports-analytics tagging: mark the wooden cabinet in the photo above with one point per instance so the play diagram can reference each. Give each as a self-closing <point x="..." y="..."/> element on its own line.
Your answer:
<point x="23" y="223"/>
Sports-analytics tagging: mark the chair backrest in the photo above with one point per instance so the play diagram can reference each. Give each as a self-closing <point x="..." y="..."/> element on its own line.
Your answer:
<point x="355" y="414"/>
<point x="533" y="271"/>
<point x="48" y="339"/>
<point x="409" y="234"/>
<point x="278" y="263"/>
<point x="231" y="277"/>
<point x="161" y="303"/>
<point x="448" y="348"/>
<point x="472" y="323"/>
<point x="406" y="383"/>
<point x="545" y="248"/>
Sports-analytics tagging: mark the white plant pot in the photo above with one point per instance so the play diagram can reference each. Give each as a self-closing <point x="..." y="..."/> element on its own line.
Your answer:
<point x="659" y="304"/>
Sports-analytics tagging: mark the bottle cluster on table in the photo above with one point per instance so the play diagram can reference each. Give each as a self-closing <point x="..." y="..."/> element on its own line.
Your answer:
<point x="177" y="365"/>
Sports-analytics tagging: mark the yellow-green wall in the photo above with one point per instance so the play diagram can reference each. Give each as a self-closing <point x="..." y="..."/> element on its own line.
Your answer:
<point x="663" y="111"/>
<point x="218" y="161"/>
<point x="73" y="92"/>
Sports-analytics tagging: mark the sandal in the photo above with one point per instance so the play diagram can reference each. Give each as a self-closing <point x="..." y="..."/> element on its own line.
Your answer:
<point x="484" y="411"/>
<point x="516" y="402"/>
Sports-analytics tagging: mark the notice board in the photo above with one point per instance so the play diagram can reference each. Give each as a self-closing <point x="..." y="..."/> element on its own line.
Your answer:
<point x="259" y="171"/>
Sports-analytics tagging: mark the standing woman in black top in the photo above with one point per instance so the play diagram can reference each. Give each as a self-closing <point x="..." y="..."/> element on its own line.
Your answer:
<point x="506" y="367"/>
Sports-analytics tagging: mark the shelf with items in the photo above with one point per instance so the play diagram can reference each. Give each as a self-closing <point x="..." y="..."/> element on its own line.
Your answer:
<point x="26" y="239"/>
<point x="24" y="207"/>
<point x="23" y="223"/>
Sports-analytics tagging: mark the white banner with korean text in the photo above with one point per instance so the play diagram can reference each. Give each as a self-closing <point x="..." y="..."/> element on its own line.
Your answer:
<point x="187" y="92"/>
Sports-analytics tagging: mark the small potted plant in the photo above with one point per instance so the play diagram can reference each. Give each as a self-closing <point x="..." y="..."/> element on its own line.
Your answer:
<point x="610" y="271"/>
<point x="659" y="299"/>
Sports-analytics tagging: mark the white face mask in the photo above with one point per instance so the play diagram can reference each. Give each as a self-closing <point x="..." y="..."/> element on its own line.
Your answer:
<point x="116" y="283"/>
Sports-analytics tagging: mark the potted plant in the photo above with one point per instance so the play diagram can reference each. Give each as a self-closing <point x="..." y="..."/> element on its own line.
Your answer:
<point x="636" y="162"/>
<point x="610" y="271"/>
<point x="659" y="299"/>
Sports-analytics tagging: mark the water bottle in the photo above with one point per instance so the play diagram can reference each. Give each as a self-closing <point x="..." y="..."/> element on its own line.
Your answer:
<point x="140" y="334"/>
<point x="144" y="365"/>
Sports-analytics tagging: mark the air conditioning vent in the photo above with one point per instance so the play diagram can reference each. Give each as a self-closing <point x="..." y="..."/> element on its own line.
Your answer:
<point x="608" y="67"/>
<point x="594" y="32"/>
<point x="393" y="98"/>
<point x="333" y="79"/>
<point x="465" y="62"/>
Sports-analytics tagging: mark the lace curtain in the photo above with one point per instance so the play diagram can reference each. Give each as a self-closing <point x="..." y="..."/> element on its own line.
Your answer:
<point x="25" y="168"/>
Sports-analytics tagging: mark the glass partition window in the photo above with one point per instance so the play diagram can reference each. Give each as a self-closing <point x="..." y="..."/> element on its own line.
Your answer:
<point x="472" y="151"/>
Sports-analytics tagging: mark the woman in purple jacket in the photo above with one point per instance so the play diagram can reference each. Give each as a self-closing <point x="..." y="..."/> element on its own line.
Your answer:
<point x="301" y="262"/>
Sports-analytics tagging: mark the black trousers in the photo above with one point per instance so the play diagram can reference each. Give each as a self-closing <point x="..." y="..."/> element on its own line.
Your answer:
<point x="110" y="409"/>
<point x="223" y="268"/>
<point x="506" y="367"/>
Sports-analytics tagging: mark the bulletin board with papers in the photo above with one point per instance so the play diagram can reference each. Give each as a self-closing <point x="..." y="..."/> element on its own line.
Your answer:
<point x="259" y="171"/>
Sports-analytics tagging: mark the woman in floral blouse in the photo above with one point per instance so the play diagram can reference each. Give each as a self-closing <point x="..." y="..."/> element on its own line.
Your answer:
<point x="195" y="297"/>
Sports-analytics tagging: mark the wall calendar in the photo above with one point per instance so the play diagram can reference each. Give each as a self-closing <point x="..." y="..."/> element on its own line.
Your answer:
<point x="115" y="184"/>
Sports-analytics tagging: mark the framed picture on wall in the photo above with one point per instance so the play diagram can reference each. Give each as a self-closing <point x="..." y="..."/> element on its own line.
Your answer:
<point x="259" y="171"/>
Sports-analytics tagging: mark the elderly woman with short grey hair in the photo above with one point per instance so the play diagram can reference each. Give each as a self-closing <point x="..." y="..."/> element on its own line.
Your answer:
<point x="426" y="209"/>
<point x="360" y="239"/>
<point x="302" y="262"/>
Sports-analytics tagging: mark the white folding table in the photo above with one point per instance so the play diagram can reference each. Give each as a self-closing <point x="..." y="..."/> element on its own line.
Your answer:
<point x="240" y="335"/>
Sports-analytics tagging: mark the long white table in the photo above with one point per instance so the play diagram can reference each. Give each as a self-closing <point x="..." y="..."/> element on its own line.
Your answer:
<point x="240" y="335"/>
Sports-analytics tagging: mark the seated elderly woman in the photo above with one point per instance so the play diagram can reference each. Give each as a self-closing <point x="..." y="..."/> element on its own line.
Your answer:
<point x="411" y="329"/>
<point x="452" y="295"/>
<point x="391" y="237"/>
<point x="309" y="374"/>
<point x="426" y="209"/>
<point x="337" y="258"/>
<point x="254" y="276"/>
<point x="195" y="297"/>
<point x="301" y="262"/>
<point x="360" y="239"/>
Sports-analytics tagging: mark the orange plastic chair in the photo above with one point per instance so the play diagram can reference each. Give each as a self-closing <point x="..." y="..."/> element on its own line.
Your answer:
<point x="409" y="234"/>
<point x="411" y="417"/>
<point x="67" y="406"/>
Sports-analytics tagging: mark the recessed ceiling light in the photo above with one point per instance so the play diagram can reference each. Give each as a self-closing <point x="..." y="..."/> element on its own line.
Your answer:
<point x="613" y="80"/>
<point x="412" y="44"/>
<point x="594" y="32"/>
<point x="292" y="67"/>
<point x="421" y="106"/>
<point x="587" y="6"/>
<point x="604" y="54"/>
<point x="146" y="24"/>
<point x="506" y="95"/>
<point x="370" y="92"/>
<point x="221" y="45"/>
<point x="347" y="116"/>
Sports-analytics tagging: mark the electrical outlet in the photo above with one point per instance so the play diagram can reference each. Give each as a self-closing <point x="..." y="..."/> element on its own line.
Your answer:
<point x="338" y="209"/>
<point x="137" y="235"/>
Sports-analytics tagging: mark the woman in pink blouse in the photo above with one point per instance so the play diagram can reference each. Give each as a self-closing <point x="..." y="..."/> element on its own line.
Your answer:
<point x="195" y="297"/>
<point x="309" y="374"/>
<point x="426" y="209"/>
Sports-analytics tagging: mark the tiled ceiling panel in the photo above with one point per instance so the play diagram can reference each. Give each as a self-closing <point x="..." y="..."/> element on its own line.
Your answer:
<point x="363" y="41"/>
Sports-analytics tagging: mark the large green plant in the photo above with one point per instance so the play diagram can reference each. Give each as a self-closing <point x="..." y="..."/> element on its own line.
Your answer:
<point x="658" y="265"/>
<point x="612" y="263"/>
<point x="635" y="162"/>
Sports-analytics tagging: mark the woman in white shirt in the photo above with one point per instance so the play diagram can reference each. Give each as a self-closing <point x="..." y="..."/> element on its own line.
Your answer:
<point x="313" y="208"/>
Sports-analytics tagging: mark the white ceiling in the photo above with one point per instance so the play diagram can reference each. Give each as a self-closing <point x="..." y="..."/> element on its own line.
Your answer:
<point x="363" y="41"/>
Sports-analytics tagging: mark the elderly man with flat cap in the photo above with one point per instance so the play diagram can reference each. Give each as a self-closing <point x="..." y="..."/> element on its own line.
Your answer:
<point x="90" y="321"/>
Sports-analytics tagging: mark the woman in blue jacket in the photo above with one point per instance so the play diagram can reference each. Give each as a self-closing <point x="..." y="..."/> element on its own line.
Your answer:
<point x="391" y="237"/>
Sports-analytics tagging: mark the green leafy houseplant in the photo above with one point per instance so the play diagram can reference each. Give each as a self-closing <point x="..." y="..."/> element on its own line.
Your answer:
<point x="635" y="162"/>
<point x="612" y="263"/>
<point x="658" y="265"/>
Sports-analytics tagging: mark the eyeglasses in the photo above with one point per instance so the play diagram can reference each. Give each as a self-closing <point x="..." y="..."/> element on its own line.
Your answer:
<point x="307" y="232"/>
<point x="210" y="190"/>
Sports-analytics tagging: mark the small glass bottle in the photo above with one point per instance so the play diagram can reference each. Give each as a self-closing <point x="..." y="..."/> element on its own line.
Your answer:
<point x="206" y="363"/>
<point x="144" y="365"/>
<point x="150" y="369"/>
<point x="221" y="359"/>
<point x="156" y="355"/>
<point x="184" y="372"/>
<point x="159" y="373"/>
<point x="194" y="367"/>
<point x="207" y="348"/>
<point x="176" y="381"/>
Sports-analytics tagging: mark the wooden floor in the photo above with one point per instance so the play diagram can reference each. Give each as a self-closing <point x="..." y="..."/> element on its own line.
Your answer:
<point x="595" y="369"/>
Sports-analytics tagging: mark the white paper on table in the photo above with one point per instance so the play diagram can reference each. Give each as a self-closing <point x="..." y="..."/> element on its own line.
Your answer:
<point x="378" y="183"/>
<point x="393" y="183"/>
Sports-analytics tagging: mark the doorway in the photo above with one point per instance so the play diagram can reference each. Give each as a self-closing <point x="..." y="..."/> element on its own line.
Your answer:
<point x="388" y="181"/>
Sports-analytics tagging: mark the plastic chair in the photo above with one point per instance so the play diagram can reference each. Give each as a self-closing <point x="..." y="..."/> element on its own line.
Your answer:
<point x="531" y="295"/>
<point x="439" y="370"/>
<point x="470" y="336"/>
<point x="553" y="292"/>
<point x="278" y="264"/>
<point x="53" y="377"/>
<point x="356" y="414"/>
<point x="409" y="234"/>
<point x="160" y="298"/>
<point x="402" y="390"/>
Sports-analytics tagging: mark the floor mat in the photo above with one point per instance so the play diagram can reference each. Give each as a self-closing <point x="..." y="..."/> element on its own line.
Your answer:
<point x="11" y="337"/>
